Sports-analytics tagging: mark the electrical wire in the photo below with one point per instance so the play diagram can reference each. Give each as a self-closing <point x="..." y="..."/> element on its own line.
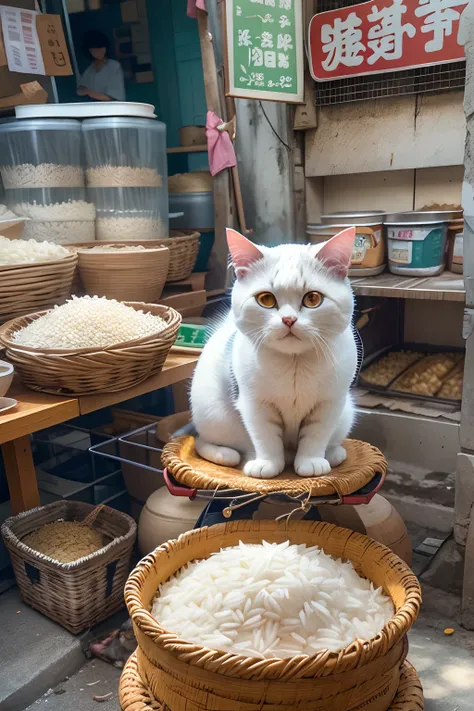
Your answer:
<point x="275" y="132"/>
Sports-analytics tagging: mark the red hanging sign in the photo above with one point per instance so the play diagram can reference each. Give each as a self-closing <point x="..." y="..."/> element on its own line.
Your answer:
<point x="384" y="36"/>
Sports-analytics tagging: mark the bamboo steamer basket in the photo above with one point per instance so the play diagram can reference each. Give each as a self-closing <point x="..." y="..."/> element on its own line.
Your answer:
<point x="136" y="696"/>
<point x="125" y="275"/>
<point x="85" y="371"/>
<point x="31" y="287"/>
<point x="184" y="676"/>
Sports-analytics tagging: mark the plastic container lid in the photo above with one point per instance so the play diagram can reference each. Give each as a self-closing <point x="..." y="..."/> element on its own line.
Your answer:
<point x="94" y="124"/>
<point x="41" y="125"/>
<point x="358" y="217"/>
<point x="86" y="110"/>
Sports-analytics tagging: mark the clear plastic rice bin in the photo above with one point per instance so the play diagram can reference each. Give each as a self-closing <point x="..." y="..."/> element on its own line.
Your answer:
<point x="125" y="214"/>
<point x="125" y="152"/>
<point x="41" y="153"/>
<point x="61" y="215"/>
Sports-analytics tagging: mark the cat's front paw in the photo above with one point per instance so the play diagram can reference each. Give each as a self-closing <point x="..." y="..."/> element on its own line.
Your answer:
<point x="336" y="455"/>
<point x="312" y="466"/>
<point x="263" y="468"/>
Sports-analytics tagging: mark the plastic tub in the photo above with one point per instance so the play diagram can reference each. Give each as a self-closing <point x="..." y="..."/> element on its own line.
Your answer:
<point x="198" y="209"/>
<point x="125" y="152"/>
<point x="368" y="254"/>
<point x="41" y="153"/>
<point x="416" y="248"/>
<point x="125" y="214"/>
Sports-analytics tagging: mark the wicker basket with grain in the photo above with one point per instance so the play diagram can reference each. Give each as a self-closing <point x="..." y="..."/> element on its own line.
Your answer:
<point x="365" y="675"/>
<point x="124" y="275"/>
<point x="184" y="249"/>
<point x="192" y="135"/>
<point x="85" y="371"/>
<point x="31" y="287"/>
<point x="135" y="695"/>
<point x="80" y="594"/>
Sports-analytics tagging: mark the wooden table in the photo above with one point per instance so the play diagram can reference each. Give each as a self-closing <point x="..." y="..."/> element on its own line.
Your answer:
<point x="36" y="411"/>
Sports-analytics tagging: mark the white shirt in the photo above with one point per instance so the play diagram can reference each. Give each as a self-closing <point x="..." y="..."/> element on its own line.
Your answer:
<point x="108" y="80"/>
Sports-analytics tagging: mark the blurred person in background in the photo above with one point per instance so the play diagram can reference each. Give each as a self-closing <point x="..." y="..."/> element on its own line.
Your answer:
<point x="103" y="79"/>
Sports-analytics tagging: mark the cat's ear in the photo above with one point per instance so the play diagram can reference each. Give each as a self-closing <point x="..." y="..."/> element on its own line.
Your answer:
<point x="336" y="253"/>
<point x="242" y="251"/>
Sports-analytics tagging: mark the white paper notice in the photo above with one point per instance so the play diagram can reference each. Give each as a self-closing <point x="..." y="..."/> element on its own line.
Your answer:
<point x="21" y="41"/>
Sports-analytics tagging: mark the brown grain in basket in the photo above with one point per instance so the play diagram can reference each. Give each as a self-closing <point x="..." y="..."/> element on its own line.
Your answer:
<point x="79" y="594"/>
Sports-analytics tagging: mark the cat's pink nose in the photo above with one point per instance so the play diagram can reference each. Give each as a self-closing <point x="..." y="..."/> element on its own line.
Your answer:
<point x="289" y="320"/>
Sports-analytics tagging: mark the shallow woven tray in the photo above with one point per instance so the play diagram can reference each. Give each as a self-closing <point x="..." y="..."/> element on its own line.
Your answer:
<point x="184" y="249"/>
<point x="363" y="462"/>
<point x="124" y="275"/>
<point x="33" y="287"/>
<point x="85" y="371"/>
<point x="136" y="696"/>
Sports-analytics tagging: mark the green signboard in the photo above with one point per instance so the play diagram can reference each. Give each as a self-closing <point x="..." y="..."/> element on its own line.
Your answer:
<point x="265" y="49"/>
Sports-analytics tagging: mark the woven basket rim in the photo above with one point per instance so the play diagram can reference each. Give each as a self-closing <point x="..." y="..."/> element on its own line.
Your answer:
<point x="120" y="252"/>
<point x="10" y="345"/>
<point x="350" y="657"/>
<point x="29" y="265"/>
<point x="13" y="540"/>
<point x="182" y="238"/>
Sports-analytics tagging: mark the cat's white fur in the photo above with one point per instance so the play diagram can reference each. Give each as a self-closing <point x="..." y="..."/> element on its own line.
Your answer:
<point x="293" y="382"/>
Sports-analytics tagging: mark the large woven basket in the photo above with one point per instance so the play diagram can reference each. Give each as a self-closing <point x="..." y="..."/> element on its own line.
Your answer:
<point x="125" y="275"/>
<point x="31" y="287"/>
<point x="77" y="595"/>
<point x="184" y="249"/>
<point x="135" y="695"/>
<point x="365" y="675"/>
<point x="85" y="371"/>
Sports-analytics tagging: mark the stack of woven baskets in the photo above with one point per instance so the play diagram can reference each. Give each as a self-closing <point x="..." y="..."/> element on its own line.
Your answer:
<point x="167" y="672"/>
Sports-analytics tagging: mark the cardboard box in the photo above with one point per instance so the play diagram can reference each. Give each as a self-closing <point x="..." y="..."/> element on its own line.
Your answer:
<point x="18" y="88"/>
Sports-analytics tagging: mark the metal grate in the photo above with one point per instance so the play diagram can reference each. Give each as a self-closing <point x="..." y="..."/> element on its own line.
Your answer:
<point x="375" y="86"/>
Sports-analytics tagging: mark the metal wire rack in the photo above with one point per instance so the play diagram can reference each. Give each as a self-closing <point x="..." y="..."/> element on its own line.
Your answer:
<point x="423" y="80"/>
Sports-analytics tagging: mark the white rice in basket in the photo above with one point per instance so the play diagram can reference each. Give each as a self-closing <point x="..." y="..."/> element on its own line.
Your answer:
<point x="88" y="322"/>
<point x="20" y="251"/>
<point x="271" y="601"/>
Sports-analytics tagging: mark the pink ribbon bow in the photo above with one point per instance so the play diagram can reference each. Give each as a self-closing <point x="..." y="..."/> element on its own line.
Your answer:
<point x="219" y="145"/>
<point x="194" y="5"/>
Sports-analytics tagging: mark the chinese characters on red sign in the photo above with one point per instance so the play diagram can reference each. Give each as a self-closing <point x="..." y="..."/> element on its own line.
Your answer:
<point x="383" y="36"/>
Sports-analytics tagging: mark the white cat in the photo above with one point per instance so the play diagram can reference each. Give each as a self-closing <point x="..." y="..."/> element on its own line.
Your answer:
<point x="273" y="382"/>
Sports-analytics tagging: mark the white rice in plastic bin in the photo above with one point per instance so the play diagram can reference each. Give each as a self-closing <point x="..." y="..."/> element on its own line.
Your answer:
<point x="271" y="601"/>
<point x="129" y="228"/>
<point x="61" y="231"/>
<point x="20" y="251"/>
<point x="88" y="322"/>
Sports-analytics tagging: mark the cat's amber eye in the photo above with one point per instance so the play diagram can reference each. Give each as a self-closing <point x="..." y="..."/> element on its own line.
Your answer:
<point x="312" y="299"/>
<point x="266" y="300"/>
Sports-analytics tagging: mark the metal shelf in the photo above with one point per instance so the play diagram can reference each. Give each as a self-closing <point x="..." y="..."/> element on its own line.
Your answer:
<point x="445" y="287"/>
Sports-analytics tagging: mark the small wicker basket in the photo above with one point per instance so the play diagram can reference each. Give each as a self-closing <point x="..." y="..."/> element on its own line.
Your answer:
<point x="184" y="249"/>
<point x="85" y="371"/>
<point x="125" y="275"/>
<point x="77" y="595"/>
<point x="365" y="675"/>
<point x="32" y="287"/>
